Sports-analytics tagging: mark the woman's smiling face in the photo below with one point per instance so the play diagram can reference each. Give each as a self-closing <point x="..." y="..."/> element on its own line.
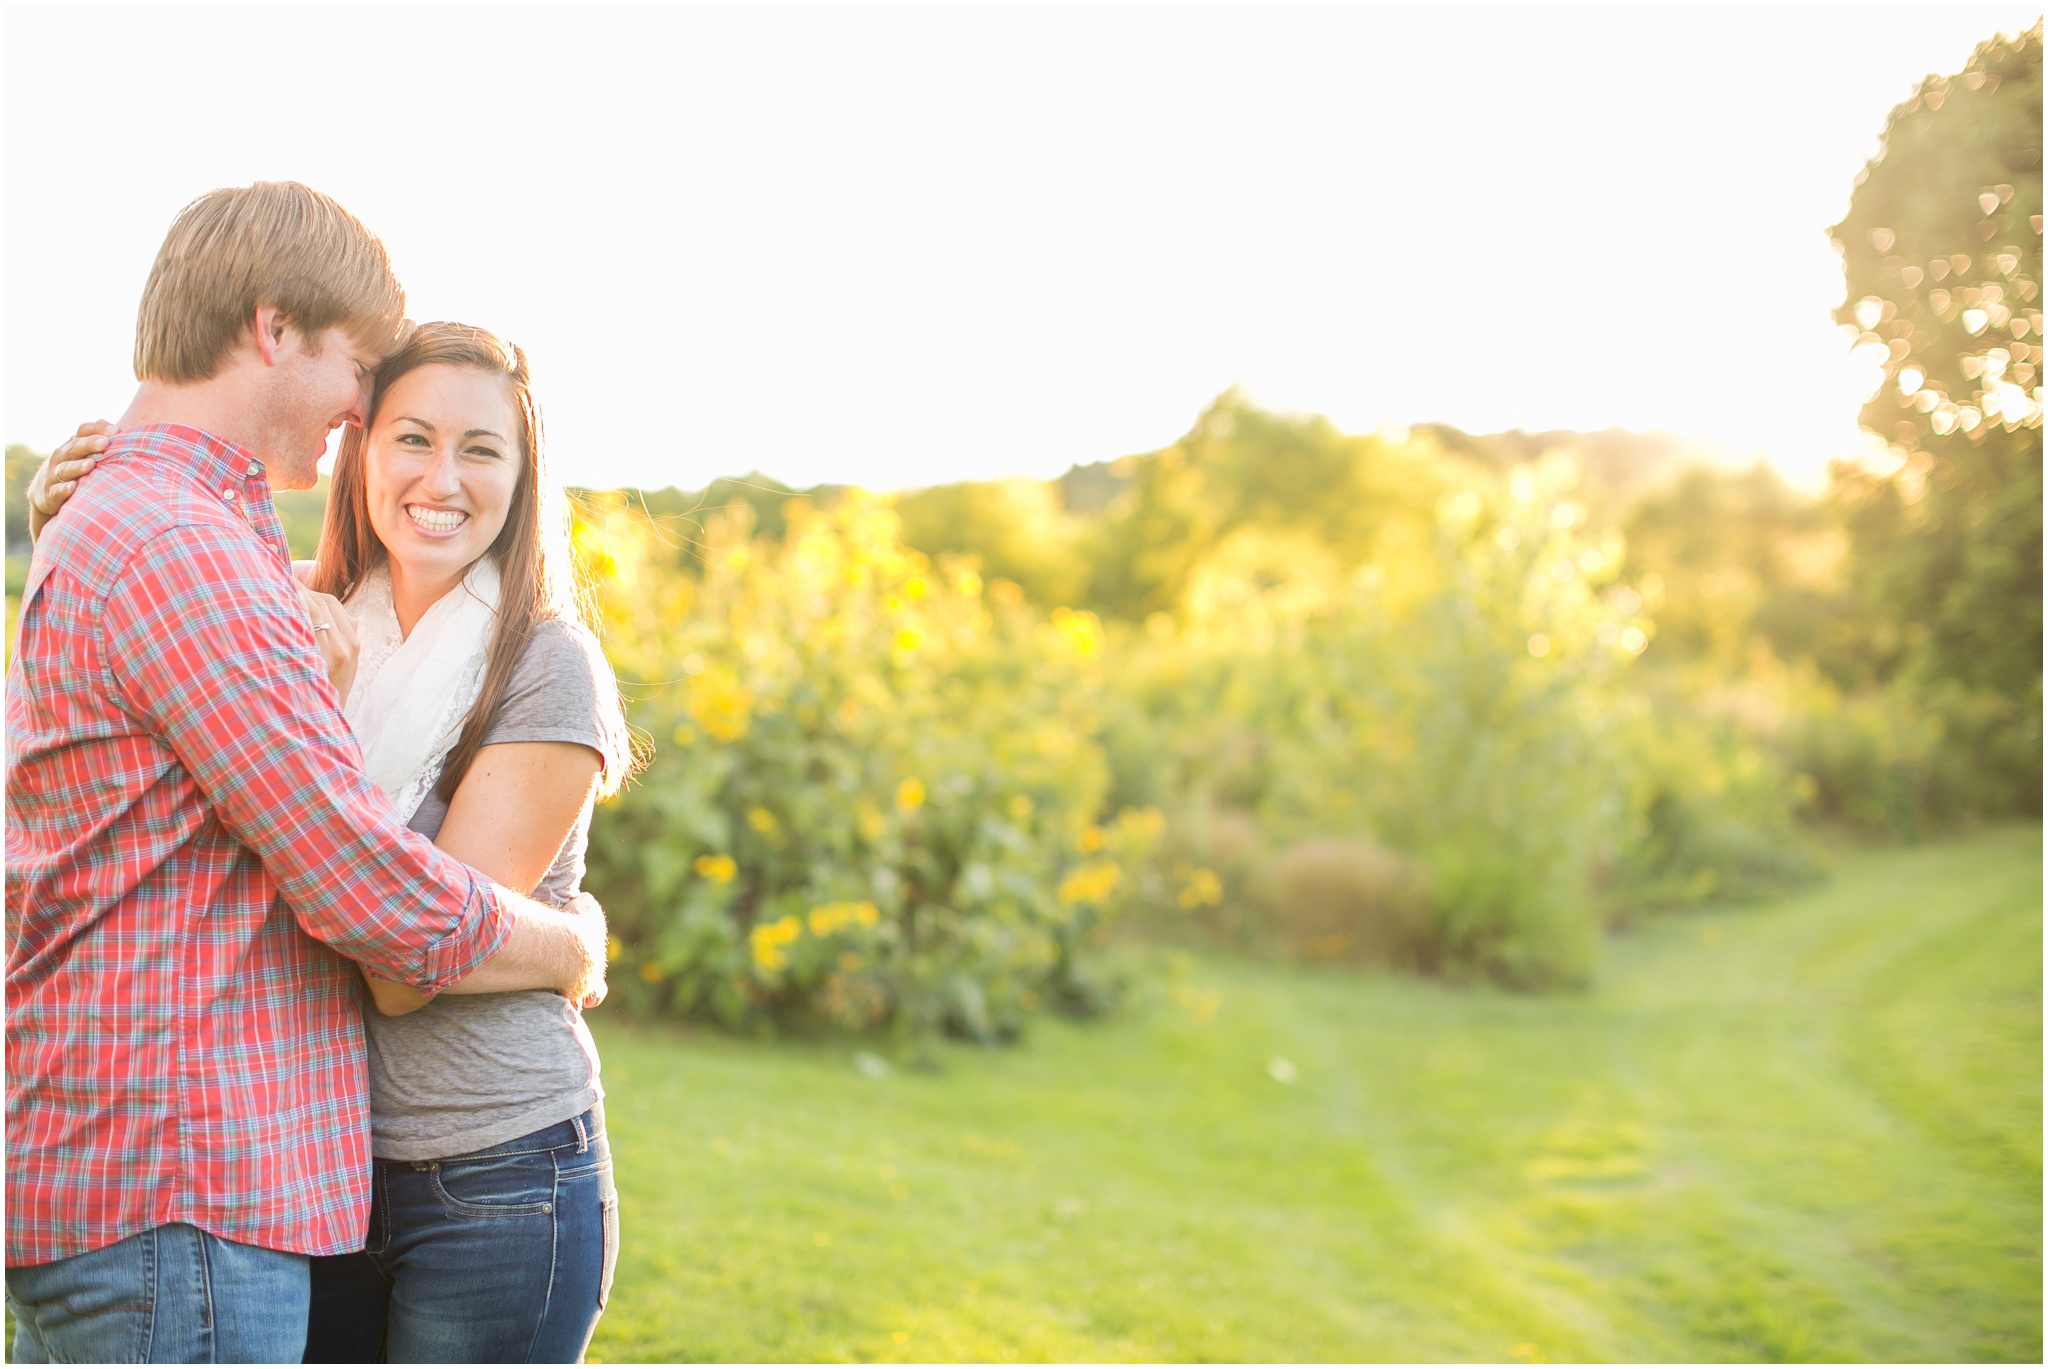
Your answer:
<point x="440" y="468"/>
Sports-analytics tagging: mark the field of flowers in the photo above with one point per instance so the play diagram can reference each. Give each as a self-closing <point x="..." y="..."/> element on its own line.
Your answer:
<point x="889" y="791"/>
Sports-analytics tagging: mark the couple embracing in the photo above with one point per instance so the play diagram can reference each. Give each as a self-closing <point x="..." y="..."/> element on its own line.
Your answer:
<point x="296" y="951"/>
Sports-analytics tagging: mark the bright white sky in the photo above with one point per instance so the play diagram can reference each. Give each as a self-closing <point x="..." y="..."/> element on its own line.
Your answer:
<point x="909" y="246"/>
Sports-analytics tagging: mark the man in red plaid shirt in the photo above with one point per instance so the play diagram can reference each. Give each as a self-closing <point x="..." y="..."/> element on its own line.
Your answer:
<point x="194" y="856"/>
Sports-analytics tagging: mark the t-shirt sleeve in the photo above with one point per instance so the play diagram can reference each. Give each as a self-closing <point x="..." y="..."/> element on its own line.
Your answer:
<point x="562" y="690"/>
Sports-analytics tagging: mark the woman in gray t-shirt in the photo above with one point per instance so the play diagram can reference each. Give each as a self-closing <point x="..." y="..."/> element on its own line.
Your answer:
<point x="494" y="1220"/>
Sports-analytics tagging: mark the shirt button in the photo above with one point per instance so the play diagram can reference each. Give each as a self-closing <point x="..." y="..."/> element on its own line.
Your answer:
<point x="228" y="495"/>
<point x="255" y="469"/>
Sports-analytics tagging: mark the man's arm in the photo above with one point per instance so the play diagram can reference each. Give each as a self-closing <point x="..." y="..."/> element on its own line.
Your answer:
<point x="536" y="956"/>
<point x="205" y="644"/>
<point x="508" y="819"/>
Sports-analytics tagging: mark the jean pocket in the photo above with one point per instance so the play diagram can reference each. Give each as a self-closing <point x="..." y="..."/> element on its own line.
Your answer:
<point x="99" y="1306"/>
<point x="611" y="1249"/>
<point x="496" y="1185"/>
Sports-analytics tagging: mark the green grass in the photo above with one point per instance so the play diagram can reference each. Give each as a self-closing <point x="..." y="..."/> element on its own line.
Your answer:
<point x="1809" y="1130"/>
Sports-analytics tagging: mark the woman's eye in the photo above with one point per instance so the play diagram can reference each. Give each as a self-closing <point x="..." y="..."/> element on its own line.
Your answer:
<point x="488" y="453"/>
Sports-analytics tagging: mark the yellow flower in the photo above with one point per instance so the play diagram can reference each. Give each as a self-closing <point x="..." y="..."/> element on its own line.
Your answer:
<point x="910" y="795"/>
<point x="593" y="549"/>
<point x="914" y="587"/>
<point x="1203" y="890"/>
<point x="768" y="938"/>
<point x="909" y="639"/>
<point x="718" y="869"/>
<point x="1092" y="839"/>
<point x="761" y="820"/>
<point x="1090" y="883"/>
<point x="719" y="704"/>
<point x="613" y="948"/>
<point x="1080" y="632"/>
<point x="828" y="918"/>
<point x="1021" y="807"/>
<point x="1145" y="822"/>
<point x="685" y="734"/>
<point x="651" y="972"/>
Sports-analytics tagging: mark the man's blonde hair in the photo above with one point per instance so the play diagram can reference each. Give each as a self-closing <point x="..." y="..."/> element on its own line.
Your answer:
<point x="274" y="242"/>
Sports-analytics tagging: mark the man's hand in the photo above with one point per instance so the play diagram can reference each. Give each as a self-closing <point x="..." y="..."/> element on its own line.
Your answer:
<point x="560" y="949"/>
<point x="335" y="631"/>
<point x="56" y="478"/>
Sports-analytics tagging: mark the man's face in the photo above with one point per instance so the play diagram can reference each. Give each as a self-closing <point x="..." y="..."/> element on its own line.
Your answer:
<point x="320" y="384"/>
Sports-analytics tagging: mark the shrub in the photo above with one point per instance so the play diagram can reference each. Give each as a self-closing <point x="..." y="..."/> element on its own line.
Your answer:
<point x="1715" y="806"/>
<point x="1338" y="898"/>
<point x="878" y="792"/>
<point x="1876" y="761"/>
<point x="1459" y="710"/>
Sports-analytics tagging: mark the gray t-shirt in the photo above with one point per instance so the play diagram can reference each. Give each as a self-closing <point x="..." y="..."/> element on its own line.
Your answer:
<point x="475" y="1070"/>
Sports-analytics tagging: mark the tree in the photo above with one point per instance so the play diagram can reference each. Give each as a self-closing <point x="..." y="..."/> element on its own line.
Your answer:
<point x="1243" y="469"/>
<point x="1942" y="252"/>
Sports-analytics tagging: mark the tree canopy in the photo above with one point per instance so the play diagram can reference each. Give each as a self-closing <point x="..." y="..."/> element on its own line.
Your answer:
<point x="1941" y="248"/>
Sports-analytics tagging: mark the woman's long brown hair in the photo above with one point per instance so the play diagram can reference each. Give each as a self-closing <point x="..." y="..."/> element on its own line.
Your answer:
<point x="536" y="574"/>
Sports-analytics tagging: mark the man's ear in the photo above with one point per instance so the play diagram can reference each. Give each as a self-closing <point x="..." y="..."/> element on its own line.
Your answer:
<point x="270" y="324"/>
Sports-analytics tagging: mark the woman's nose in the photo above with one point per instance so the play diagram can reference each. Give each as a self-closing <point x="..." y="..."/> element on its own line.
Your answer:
<point x="442" y="478"/>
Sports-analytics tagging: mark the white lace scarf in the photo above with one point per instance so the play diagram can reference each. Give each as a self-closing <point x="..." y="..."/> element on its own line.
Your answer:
<point x="412" y="693"/>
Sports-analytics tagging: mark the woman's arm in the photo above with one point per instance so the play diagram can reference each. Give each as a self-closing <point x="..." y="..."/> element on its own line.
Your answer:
<point x="508" y="819"/>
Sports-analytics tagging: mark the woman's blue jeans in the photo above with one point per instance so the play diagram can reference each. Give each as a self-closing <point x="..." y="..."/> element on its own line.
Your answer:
<point x="503" y="1255"/>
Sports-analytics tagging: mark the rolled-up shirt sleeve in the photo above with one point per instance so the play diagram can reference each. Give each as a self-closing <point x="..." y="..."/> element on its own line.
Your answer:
<point x="209" y="648"/>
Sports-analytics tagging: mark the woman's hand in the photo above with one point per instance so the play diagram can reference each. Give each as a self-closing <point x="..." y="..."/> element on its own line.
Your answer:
<point x="394" y="1000"/>
<point x="56" y="478"/>
<point x="335" y="631"/>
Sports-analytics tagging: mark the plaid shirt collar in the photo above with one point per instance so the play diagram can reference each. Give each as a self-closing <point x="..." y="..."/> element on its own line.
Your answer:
<point x="227" y="470"/>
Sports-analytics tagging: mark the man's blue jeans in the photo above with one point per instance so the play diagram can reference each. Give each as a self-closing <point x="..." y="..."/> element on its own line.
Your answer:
<point x="169" y="1295"/>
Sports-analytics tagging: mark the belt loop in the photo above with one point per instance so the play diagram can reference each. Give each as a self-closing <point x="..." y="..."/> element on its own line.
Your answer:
<point x="582" y="1136"/>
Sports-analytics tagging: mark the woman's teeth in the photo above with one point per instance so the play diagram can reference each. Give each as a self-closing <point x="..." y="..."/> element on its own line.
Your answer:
<point x="436" y="520"/>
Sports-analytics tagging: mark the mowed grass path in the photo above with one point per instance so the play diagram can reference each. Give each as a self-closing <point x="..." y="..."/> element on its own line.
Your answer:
<point x="1809" y="1130"/>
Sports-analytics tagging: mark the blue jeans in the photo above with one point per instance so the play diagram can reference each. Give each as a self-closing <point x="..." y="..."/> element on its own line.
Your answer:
<point x="170" y="1295"/>
<point x="503" y="1255"/>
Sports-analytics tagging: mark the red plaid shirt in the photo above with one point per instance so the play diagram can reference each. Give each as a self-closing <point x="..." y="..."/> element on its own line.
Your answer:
<point x="187" y="823"/>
